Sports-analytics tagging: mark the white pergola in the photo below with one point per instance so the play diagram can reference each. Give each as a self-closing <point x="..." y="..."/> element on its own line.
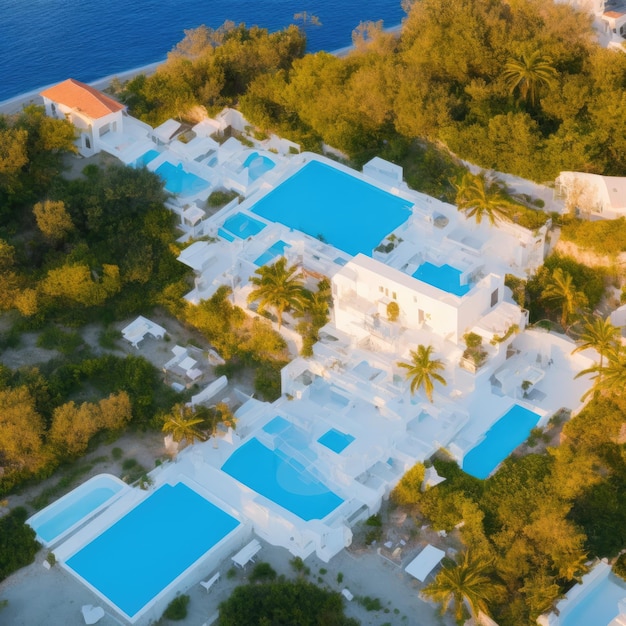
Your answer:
<point x="424" y="563"/>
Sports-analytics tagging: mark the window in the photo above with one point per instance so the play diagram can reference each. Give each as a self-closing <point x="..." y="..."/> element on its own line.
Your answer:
<point x="53" y="109"/>
<point x="394" y="295"/>
<point x="87" y="143"/>
<point x="386" y="291"/>
<point x="494" y="298"/>
<point x="381" y="289"/>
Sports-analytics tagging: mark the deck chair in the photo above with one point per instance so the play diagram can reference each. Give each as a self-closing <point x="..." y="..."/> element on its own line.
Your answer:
<point x="207" y="584"/>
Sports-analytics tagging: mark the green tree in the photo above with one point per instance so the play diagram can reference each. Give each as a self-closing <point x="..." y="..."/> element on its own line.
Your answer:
<point x="562" y="291"/>
<point x="184" y="423"/>
<point x="279" y="287"/>
<point x="423" y="370"/>
<point x="609" y="378"/>
<point x="528" y="74"/>
<point x="599" y="334"/>
<point x="53" y="219"/>
<point x="464" y="584"/>
<point x="479" y="197"/>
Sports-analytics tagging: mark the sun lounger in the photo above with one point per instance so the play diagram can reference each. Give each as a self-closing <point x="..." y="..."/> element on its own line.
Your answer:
<point x="207" y="584"/>
<point x="347" y="595"/>
<point x="246" y="554"/>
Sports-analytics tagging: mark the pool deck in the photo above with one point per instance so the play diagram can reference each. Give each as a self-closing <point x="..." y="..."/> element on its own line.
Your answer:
<point x="35" y="594"/>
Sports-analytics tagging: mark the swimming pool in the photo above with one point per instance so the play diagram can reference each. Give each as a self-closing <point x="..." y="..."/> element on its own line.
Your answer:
<point x="335" y="440"/>
<point x="501" y="439"/>
<point x="180" y="182"/>
<point x="145" y="158"/>
<point x="598" y="606"/>
<point x="281" y="479"/>
<point x="444" y="277"/>
<point x="145" y="551"/>
<point x="81" y="504"/>
<point x="277" y="249"/>
<point x="258" y="165"/>
<point x="340" y="209"/>
<point x="242" y="226"/>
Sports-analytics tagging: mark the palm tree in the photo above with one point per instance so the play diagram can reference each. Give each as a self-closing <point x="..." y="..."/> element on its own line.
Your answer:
<point x="477" y="196"/>
<point x="220" y="414"/>
<point x="464" y="584"/>
<point x="600" y="335"/>
<point x="610" y="377"/>
<point x="279" y="287"/>
<point x="528" y="73"/>
<point x="422" y="370"/>
<point x="183" y="423"/>
<point x="562" y="291"/>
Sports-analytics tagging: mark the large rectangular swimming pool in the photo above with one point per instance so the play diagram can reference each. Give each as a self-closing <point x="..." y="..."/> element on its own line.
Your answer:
<point x="282" y="480"/>
<point x="337" y="208"/>
<point x="131" y="562"/>
<point x="501" y="439"/>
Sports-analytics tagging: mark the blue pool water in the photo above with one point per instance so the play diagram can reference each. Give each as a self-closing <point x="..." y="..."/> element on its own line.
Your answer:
<point x="242" y="226"/>
<point x="180" y="182"/>
<point x="444" y="277"/>
<point x="271" y="253"/>
<point x="145" y="158"/>
<point x="335" y="207"/>
<point x="282" y="480"/>
<point x="501" y="439"/>
<point x="335" y="440"/>
<point x="224" y="235"/>
<point x="257" y="165"/>
<point x="69" y="515"/>
<point x="143" y="552"/>
<point x="599" y="606"/>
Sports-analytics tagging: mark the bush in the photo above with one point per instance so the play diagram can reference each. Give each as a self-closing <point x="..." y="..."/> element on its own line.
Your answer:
<point x="108" y="337"/>
<point x="267" y="382"/>
<point x="369" y="604"/>
<point x="177" y="608"/>
<point x="18" y="546"/>
<point x="262" y="572"/>
<point x="220" y="198"/>
<point x="619" y="567"/>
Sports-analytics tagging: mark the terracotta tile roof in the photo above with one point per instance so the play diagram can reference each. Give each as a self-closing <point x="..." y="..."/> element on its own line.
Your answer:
<point x="614" y="14"/>
<point x="83" y="98"/>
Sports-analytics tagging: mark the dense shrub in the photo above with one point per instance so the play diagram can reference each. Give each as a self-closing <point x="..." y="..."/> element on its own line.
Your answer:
<point x="284" y="604"/>
<point x="17" y="542"/>
<point x="177" y="608"/>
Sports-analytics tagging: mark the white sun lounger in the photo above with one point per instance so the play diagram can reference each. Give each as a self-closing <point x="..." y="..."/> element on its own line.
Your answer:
<point x="247" y="554"/>
<point x="207" y="584"/>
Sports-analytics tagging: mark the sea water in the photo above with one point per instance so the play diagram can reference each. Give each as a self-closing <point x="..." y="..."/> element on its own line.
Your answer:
<point x="46" y="41"/>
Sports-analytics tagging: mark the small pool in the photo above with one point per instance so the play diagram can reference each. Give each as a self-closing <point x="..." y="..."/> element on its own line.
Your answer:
<point x="444" y="277"/>
<point x="242" y="226"/>
<point x="335" y="207"/>
<point x="335" y="440"/>
<point x="281" y="479"/>
<point x="81" y="504"/>
<point x="179" y="181"/>
<point x="145" y="158"/>
<point x="145" y="551"/>
<point x="258" y="165"/>
<point x="278" y="249"/>
<point x="598" y="606"/>
<point x="501" y="439"/>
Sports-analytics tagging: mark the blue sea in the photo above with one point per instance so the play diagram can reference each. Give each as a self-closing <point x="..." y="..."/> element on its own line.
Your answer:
<point x="45" y="41"/>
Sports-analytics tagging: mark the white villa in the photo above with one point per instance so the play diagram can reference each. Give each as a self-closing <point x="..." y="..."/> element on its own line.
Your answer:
<point x="347" y="426"/>
<point x="593" y="194"/>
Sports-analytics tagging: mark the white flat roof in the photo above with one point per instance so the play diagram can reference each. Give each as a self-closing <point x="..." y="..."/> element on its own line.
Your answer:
<point x="424" y="563"/>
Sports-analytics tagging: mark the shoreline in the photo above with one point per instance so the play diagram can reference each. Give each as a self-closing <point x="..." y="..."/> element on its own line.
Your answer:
<point x="17" y="103"/>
